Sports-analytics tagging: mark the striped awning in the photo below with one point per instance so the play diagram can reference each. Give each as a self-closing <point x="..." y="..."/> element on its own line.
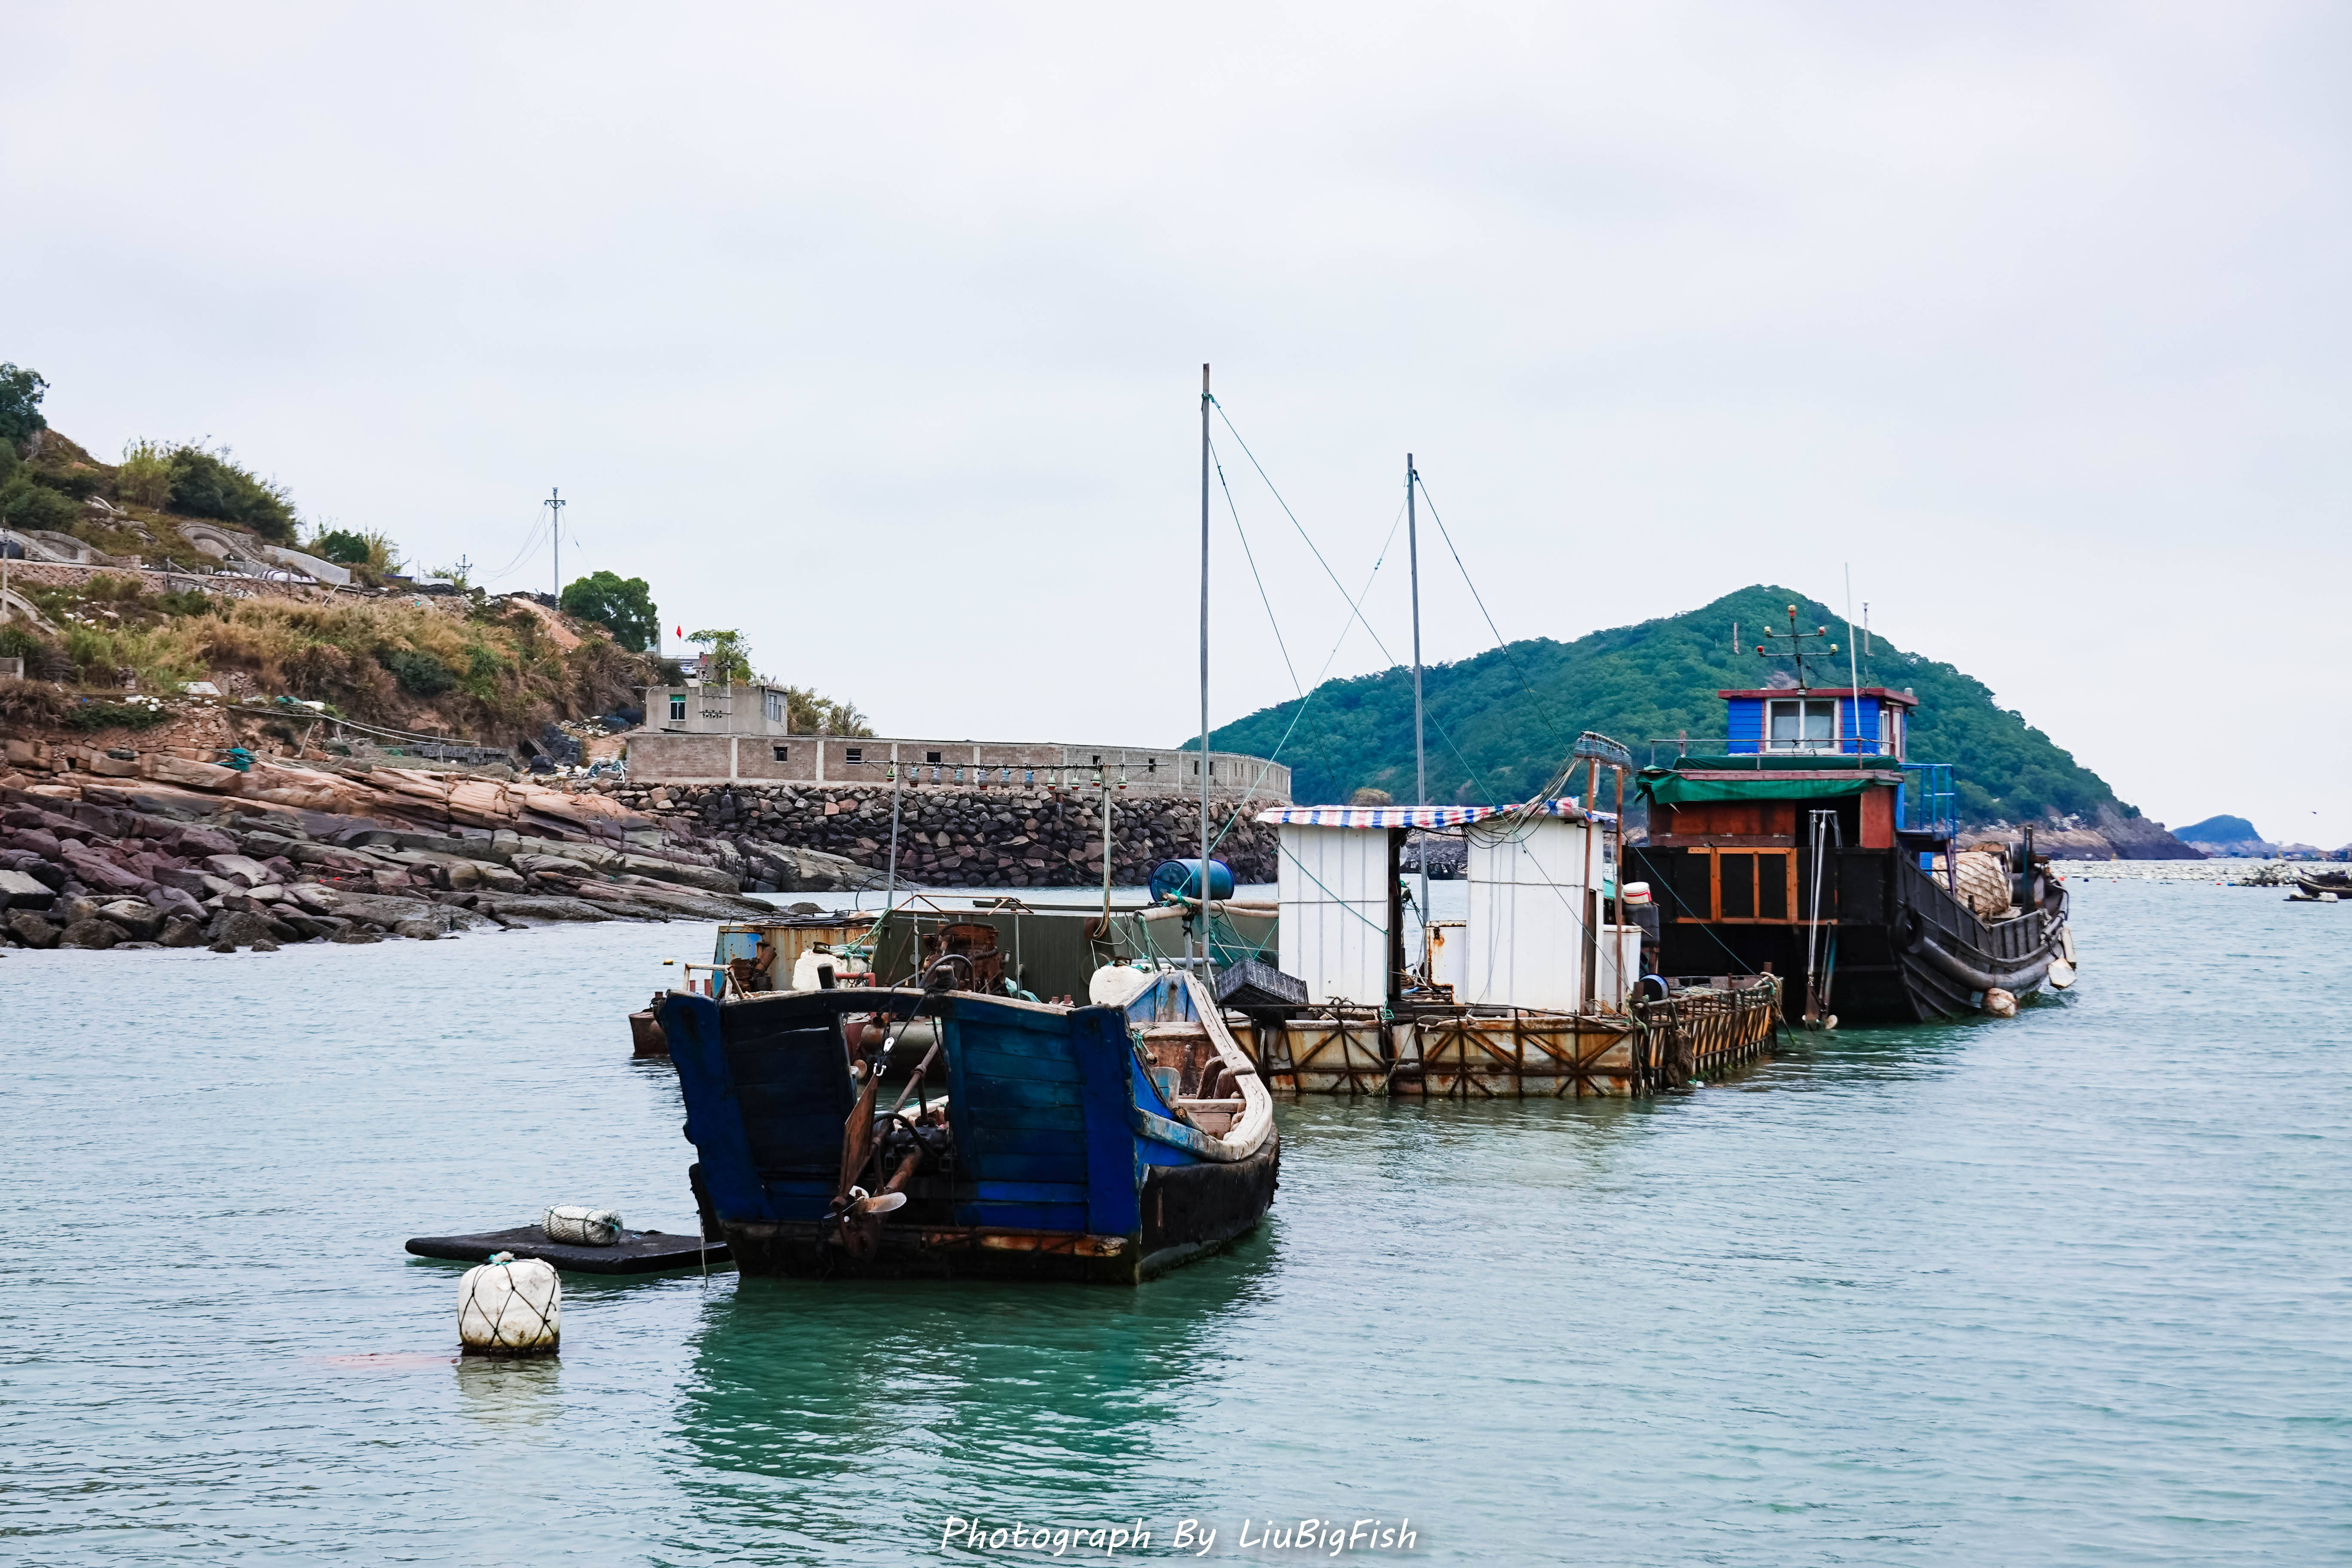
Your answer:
<point x="1420" y="816"/>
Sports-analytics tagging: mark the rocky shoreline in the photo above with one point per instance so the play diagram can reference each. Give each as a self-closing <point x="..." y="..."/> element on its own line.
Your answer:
<point x="163" y="850"/>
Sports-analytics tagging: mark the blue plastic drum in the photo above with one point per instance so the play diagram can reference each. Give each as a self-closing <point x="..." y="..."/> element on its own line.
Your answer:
<point x="1182" y="880"/>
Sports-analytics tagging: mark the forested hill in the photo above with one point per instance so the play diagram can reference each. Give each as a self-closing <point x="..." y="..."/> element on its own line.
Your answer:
<point x="1501" y="723"/>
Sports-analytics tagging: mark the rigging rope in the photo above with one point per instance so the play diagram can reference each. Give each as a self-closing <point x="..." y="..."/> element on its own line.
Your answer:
<point x="1251" y="557"/>
<point x="1543" y="707"/>
<point x="1355" y="606"/>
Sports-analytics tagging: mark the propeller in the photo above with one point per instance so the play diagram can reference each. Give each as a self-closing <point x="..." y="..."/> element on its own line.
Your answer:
<point x="877" y="1202"/>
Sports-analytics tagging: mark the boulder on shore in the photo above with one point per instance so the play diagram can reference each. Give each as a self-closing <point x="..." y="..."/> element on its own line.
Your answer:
<point x="31" y="929"/>
<point x="242" y="928"/>
<point x="90" y="933"/>
<point x="179" y="930"/>
<point x="140" y="921"/>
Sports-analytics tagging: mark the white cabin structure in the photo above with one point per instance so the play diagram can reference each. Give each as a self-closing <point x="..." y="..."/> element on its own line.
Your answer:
<point x="1536" y="937"/>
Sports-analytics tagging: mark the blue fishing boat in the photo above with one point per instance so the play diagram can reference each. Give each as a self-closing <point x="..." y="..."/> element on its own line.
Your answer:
<point x="1029" y="1141"/>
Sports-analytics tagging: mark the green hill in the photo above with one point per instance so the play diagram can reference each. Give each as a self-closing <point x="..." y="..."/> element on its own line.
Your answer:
<point x="1501" y="723"/>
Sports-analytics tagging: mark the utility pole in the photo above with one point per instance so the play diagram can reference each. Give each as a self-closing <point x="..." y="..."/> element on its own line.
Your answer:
<point x="556" y="503"/>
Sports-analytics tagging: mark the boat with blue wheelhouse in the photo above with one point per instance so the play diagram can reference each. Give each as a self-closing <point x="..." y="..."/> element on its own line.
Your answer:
<point x="1807" y="843"/>
<point x="1024" y="1139"/>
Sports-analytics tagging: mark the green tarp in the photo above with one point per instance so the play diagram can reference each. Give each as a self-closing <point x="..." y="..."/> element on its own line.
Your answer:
<point x="1664" y="786"/>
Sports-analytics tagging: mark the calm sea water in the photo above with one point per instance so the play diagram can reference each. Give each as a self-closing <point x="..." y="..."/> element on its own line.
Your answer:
<point x="2069" y="1288"/>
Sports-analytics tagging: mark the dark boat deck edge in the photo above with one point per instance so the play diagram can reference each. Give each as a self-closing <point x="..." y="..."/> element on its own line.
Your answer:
<point x="639" y="1251"/>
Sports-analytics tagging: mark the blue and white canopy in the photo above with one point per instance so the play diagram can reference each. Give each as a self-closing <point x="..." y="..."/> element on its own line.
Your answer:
<point x="1566" y="806"/>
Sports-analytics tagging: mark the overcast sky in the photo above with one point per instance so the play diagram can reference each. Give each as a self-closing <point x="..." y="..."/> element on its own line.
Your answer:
<point x="877" y="331"/>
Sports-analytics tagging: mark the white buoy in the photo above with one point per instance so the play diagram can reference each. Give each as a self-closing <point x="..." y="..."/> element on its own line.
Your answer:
<point x="2062" y="975"/>
<point x="580" y="1226"/>
<point x="510" y="1308"/>
<point x="2000" y="1004"/>
<point x="1116" y="985"/>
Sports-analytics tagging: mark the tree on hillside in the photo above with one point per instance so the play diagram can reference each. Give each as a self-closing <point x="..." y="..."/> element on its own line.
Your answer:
<point x="731" y="656"/>
<point x="20" y="403"/>
<point x="370" y="555"/>
<point x="212" y="484"/>
<point x="623" y="606"/>
<point x="815" y="714"/>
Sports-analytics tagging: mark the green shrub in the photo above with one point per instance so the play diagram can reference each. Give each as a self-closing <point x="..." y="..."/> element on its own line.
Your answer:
<point x="26" y="503"/>
<point x="188" y="602"/>
<point x="78" y="482"/>
<point x="340" y="546"/>
<point x="210" y="484"/>
<point x="419" y="674"/>
<point x="92" y="714"/>
<point x="144" y="476"/>
<point x="356" y="547"/>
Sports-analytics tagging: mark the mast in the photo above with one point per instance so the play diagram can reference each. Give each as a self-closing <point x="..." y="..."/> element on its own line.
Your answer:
<point x="1420" y="751"/>
<point x="1205" y="666"/>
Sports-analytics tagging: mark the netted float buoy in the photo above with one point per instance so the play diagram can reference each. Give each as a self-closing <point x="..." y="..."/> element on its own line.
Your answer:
<point x="1983" y="878"/>
<point x="510" y="1308"/>
<point x="2000" y="1004"/>
<point x="578" y="1226"/>
<point x="1116" y="985"/>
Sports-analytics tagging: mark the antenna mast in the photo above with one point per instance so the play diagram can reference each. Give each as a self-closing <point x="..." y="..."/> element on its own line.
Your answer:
<point x="1852" y="660"/>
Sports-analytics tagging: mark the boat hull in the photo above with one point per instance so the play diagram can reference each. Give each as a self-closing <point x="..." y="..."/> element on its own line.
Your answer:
<point x="1067" y="1163"/>
<point x="1892" y="946"/>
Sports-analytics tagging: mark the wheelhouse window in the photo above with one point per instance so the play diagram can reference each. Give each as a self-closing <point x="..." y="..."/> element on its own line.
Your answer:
<point x="1801" y="724"/>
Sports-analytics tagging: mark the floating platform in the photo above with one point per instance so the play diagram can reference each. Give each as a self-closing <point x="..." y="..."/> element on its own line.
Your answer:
<point x="637" y="1251"/>
<point x="1704" y="1027"/>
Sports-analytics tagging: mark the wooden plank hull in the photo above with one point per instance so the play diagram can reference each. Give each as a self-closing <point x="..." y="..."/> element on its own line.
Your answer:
<point x="1893" y="944"/>
<point x="1069" y="1162"/>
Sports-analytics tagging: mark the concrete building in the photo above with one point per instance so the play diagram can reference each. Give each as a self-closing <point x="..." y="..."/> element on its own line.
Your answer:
<point x="752" y="708"/>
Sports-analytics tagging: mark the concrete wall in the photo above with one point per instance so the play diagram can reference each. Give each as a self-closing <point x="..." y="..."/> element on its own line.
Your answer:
<point x="659" y="758"/>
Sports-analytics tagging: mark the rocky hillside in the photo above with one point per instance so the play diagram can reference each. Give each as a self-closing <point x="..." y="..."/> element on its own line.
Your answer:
<point x="2105" y="834"/>
<point x="109" y="649"/>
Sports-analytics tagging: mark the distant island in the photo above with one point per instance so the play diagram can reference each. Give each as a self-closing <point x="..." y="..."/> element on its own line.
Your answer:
<point x="2235" y="838"/>
<point x="1502" y="722"/>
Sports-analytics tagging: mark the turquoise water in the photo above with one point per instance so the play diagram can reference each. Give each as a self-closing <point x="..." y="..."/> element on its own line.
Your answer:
<point x="2069" y="1288"/>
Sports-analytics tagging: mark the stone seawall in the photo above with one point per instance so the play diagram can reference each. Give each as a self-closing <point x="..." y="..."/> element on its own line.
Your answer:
<point x="957" y="837"/>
